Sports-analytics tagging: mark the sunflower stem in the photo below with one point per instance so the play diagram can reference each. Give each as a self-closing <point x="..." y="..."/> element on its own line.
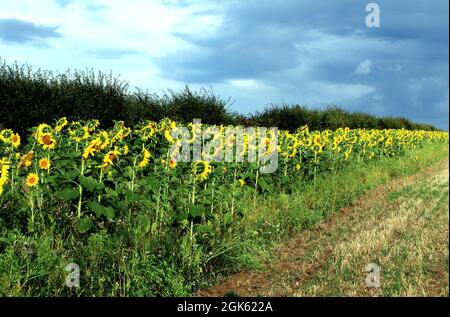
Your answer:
<point x="80" y="189"/>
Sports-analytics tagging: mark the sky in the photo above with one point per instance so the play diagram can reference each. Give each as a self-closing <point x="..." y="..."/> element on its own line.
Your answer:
<point x="258" y="52"/>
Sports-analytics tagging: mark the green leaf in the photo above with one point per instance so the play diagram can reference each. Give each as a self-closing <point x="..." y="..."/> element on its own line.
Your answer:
<point x="90" y="183"/>
<point x="133" y="197"/>
<point x="70" y="175"/>
<point x="97" y="208"/>
<point x="263" y="184"/>
<point x="101" y="210"/>
<point x="196" y="211"/>
<point x="85" y="225"/>
<point x="153" y="182"/>
<point x="109" y="213"/>
<point x="69" y="193"/>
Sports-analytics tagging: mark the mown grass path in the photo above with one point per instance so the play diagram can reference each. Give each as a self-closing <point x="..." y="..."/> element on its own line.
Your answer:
<point x="401" y="226"/>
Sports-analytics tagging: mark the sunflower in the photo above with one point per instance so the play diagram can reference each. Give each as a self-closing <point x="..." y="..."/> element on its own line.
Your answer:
<point x="32" y="180"/>
<point x="60" y="124"/>
<point x="26" y="160"/>
<point x="47" y="141"/>
<point x="317" y="140"/>
<point x="92" y="148"/>
<point x="389" y="141"/>
<point x="44" y="164"/>
<point x="168" y="136"/>
<point x="348" y="152"/>
<point x="125" y="149"/>
<point x="172" y="164"/>
<point x="15" y="140"/>
<point x="103" y="137"/>
<point x="5" y="135"/>
<point x="91" y="125"/>
<point x="205" y="171"/>
<point x="78" y="132"/>
<point x="145" y="158"/>
<point x="148" y="130"/>
<point x="317" y="148"/>
<point x="109" y="158"/>
<point x="4" y="173"/>
<point x="43" y="128"/>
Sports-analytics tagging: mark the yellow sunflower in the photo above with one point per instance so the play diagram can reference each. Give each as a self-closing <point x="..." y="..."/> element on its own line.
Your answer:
<point x="15" y="140"/>
<point x="145" y="159"/>
<point x="26" y="160"/>
<point x="32" y="180"/>
<point x="172" y="164"/>
<point x="5" y="135"/>
<point x="205" y="171"/>
<point x="60" y="124"/>
<point x="47" y="141"/>
<point x="110" y="157"/>
<point x="4" y="173"/>
<point x="44" y="164"/>
<point x="92" y="148"/>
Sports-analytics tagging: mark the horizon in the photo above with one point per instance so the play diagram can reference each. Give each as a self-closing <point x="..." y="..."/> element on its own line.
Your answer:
<point x="311" y="54"/>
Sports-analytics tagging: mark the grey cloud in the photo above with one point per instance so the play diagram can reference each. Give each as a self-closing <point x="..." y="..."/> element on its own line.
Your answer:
<point x="23" y="32"/>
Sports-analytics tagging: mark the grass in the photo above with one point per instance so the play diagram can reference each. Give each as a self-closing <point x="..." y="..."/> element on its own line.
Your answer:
<point x="332" y="193"/>
<point x="130" y="263"/>
<point x="407" y="237"/>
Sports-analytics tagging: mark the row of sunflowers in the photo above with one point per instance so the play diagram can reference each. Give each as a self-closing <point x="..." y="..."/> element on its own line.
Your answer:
<point x="102" y="175"/>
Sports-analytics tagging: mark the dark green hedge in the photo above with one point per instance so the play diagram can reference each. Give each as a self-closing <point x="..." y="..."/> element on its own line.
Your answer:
<point x="29" y="97"/>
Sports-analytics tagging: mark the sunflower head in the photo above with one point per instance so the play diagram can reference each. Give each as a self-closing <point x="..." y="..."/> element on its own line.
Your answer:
<point x="32" y="180"/>
<point x="44" y="164"/>
<point x="26" y="160"/>
<point x="172" y="164"/>
<point x="202" y="170"/>
<point x="47" y="141"/>
<point x="60" y="124"/>
<point x="15" y="140"/>
<point x="5" y="135"/>
<point x="145" y="158"/>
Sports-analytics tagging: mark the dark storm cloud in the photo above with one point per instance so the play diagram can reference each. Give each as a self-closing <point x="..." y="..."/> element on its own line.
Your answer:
<point x="23" y="32"/>
<point x="326" y="41"/>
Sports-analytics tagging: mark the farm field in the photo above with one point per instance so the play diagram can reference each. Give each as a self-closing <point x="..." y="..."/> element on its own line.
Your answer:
<point x="135" y="220"/>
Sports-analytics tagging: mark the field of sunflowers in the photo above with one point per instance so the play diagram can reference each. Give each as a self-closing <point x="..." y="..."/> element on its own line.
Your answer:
<point x="75" y="179"/>
<point x="99" y="174"/>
